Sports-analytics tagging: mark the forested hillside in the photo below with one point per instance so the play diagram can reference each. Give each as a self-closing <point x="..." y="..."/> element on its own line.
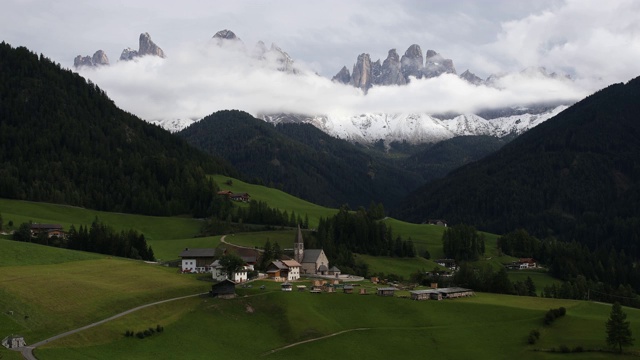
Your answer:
<point x="301" y="160"/>
<point x="575" y="177"/>
<point x="63" y="140"/>
<point x="438" y="160"/>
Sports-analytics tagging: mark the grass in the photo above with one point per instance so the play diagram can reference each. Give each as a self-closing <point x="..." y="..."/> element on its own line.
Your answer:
<point x="284" y="238"/>
<point x="540" y="278"/>
<point x="399" y="266"/>
<point x="487" y="326"/>
<point x="277" y="199"/>
<point x="153" y="227"/>
<point x="17" y="253"/>
<point x="46" y="299"/>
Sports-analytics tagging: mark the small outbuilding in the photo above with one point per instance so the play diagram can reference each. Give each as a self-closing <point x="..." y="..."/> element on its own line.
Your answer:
<point x="386" y="291"/>
<point x="286" y="286"/>
<point x="13" y="341"/>
<point x="225" y="289"/>
<point x="348" y="289"/>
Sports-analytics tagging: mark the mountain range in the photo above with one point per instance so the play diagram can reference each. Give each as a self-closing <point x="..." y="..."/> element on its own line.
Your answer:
<point x="368" y="128"/>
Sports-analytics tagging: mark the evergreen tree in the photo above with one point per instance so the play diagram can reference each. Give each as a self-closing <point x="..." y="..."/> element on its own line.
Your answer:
<point x="618" y="331"/>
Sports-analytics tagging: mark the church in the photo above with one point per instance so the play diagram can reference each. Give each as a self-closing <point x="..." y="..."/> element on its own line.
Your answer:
<point x="313" y="261"/>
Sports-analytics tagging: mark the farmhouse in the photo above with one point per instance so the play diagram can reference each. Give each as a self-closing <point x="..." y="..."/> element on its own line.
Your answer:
<point x="243" y="197"/>
<point x="197" y="260"/>
<point x="447" y="263"/>
<point x="287" y="270"/>
<point x="225" y="289"/>
<point x="439" y="294"/>
<point x="312" y="261"/>
<point x="219" y="273"/>
<point x="50" y="229"/>
<point x="524" y="263"/>
<point x="438" y="222"/>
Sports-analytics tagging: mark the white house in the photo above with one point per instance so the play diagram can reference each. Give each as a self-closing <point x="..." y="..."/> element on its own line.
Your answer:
<point x="13" y="341"/>
<point x="294" y="269"/>
<point x="197" y="260"/>
<point x="218" y="273"/>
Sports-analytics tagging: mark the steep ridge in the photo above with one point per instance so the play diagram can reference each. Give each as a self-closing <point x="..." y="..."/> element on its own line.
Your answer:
<point x="62" y="140"/>
<point x="301" y="160"/>
<point x="574" y="177"/>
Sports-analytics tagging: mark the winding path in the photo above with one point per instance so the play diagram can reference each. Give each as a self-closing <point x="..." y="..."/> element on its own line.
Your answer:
<point x="314" y="339"/>
<point x="27" y="351"/>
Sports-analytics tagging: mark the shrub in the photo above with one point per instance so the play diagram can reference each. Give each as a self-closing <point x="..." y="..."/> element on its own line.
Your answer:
<point x="140" y="335"/>
<point x="564" y="349"/>
<point x="147" y="333"/>
<point x="159" y="328"/>
<point x="578" y="349"/>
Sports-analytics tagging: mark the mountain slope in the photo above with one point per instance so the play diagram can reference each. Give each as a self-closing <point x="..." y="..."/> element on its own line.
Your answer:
<point x="300" y="160"/>
<point x="576" y="177"/>
<point x="63" y="140"/>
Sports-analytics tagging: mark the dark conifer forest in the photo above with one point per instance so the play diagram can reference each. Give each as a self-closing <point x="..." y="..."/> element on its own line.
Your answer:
<point x="62" y="140"/>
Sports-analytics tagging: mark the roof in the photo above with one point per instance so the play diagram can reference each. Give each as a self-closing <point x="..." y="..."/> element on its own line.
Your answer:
<point x="299" y="238"/>
<point x="334" y="269"/>
<point x="249" y="259"/>
<point x="291" y="263"/>
<point x="202" y="252"/>
<point x="387" y="289"/>
<point x="450" y="290"/>
<point x="323" y="268"/>
<point x="312" y="255"/>
<point x="279" y="264"/>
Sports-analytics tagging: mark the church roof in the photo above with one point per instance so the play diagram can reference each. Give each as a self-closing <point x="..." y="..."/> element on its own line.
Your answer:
<point x="322" y="267"/>
<point x="334" y="269"/>
<point x="312" y="255"/>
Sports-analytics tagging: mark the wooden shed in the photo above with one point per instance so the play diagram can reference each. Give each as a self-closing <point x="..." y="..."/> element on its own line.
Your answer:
<point x="225" y="289"/>
<point x="348" y="289"/>
<point x="386" y="291"/>
<point x="286" y="286"/>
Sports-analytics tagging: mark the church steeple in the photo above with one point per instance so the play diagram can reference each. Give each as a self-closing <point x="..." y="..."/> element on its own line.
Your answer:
<point x="298" y="247"/>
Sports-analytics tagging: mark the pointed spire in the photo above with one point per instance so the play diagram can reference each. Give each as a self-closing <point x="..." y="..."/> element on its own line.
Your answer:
<point x="299" y="239"/>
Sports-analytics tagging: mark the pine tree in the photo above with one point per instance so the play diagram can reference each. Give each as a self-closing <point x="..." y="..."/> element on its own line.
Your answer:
<point x="618" y="331"/>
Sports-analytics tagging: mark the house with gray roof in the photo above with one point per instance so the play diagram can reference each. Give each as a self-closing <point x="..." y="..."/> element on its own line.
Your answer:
<point x="197" y="260"/>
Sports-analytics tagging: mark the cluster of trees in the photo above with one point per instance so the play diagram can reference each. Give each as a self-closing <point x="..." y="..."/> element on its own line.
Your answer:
<point x="271" y="253"/>
<point x="604" y="269"/>
<point x="463" y="243"/>
<point x="62" y="140"/>
<point x="98" y="238"/>
<point x="359" y="232"/>
<point x="259" y="212"/>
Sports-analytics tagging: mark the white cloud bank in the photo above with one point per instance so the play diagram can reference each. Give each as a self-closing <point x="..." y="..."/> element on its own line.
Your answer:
<point x="201" y="79"/>
<point x="597" y="43"/>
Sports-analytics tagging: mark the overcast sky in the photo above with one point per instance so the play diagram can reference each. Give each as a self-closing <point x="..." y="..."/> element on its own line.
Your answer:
<point x="596" y="42"/>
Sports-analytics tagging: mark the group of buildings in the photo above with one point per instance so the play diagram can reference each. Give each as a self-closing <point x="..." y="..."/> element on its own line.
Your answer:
<point x="302" y="262"/>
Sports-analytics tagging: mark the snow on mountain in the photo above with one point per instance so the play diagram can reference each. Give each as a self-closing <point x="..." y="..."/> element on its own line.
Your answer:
<point x="416" y="128"/>
<point x="173" y="125"/>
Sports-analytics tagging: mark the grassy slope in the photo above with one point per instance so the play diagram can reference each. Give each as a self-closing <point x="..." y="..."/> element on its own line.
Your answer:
<point x="55" y="290"/>
<point x="487" y="326"/>
<point x="277" y="199"/>
<point x="153" y="228"/>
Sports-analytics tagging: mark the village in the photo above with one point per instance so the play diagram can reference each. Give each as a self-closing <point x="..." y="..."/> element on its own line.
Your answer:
<point x="301" y="270"/>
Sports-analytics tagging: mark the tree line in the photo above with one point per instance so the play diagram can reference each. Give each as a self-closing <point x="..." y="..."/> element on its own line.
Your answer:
<point x="97" y="238"/>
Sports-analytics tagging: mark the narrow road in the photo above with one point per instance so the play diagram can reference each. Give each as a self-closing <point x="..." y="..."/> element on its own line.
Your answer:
<point x="222" y="240"/>
<point x="27" y="351"/>
<point x="315" y="339"/>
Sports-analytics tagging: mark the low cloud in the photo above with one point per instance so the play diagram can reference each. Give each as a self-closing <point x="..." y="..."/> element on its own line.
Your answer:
<point x="200" y="79"/>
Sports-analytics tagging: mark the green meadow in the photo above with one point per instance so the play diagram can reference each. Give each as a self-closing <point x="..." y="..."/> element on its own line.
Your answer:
<point x="262" y="323"/>
<point x="277" y="199"/>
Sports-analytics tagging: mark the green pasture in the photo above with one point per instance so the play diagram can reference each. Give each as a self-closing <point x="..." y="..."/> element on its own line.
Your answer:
<point x="13" y="253"/>
<point x="284" y="238"/>
<point x="47" y="298"/>
<point x="260" y="323"/>
<point x="277" y="199"/>
<point x="399" y="266"/>
<point x="153" y="228"/>
<point x="170" y="249"/>
<point x="540" y="278"/>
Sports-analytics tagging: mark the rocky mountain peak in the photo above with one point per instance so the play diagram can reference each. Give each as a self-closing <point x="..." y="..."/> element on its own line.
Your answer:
<point x="148" y="47"/>
<point x="128" y="54"/>
<point x="437" y="65"/>
<point x="343" y="76"/>
<point x="361" y="74"/>
<point x="391" y="73"/>
<point x="259" y="50"/>
<point x="412" y="62"/>
<point x="226" y="35"/>
<point x="471" y="78"/>
<point x="99" y="58"/>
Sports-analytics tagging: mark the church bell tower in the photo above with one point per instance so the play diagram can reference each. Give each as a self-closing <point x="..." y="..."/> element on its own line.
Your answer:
<point x="298" y="247"/>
